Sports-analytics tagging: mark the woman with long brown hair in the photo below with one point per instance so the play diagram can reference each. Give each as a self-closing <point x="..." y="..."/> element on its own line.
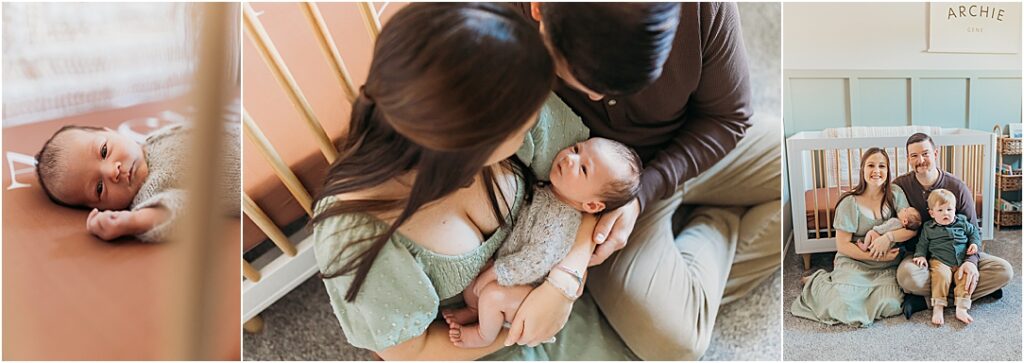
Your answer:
<point x="424" y="189"/>
<point x="862" y="286"/>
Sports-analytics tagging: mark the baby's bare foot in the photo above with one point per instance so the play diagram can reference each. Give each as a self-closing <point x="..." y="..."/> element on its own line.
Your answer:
<point x="461" y="316"/>
<point x="937" y="318"/>
<point x="469" y="337"/>
<point x="961" y="314"/>
<point x="455" y="333"/>
<point x="862" y="245"/>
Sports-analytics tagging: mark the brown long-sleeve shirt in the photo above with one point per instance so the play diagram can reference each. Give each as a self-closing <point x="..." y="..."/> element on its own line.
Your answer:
<point x="690" y="117"/>
<point x="917" y="196"/>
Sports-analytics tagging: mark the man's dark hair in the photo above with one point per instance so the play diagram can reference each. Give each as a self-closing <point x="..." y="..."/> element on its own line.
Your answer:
<point x="612" y="48"/>
<point x="48" y="162"/>
<point x="920" y="137"/>
<point x="619" y="192"/>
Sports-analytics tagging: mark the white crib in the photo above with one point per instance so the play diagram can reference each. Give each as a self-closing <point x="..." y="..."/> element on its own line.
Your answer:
<point x="824" y="164"/>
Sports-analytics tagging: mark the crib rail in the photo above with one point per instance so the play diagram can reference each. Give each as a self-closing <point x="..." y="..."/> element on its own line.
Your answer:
<point x="299" y="253"/>
<point x="822" y="168"/>
<point x="190" y="318"/>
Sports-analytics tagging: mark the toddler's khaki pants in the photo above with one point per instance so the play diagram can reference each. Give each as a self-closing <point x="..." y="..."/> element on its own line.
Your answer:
<point x="941" y="276"/>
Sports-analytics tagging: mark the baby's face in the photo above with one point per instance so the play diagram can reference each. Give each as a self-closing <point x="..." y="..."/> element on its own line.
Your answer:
<point x="580" y="172"/>
<point x="102" y="169"/>
<point x="943" y="213"/>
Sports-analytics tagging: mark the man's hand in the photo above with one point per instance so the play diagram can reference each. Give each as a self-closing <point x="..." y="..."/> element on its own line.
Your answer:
<point x="612" y="231"/>
<point x="920" y="261"/>
<point x="110" y="224"/>
<point x="973" y="249"/>
<point x="972" y="275"/>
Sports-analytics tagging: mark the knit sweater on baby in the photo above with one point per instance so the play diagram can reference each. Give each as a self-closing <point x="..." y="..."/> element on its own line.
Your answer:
<point x="167" y="158"/>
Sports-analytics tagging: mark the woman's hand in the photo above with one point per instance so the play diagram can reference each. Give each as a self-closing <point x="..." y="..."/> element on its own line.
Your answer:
<point x="542" y="315"/>
<point x="879" y="246"/>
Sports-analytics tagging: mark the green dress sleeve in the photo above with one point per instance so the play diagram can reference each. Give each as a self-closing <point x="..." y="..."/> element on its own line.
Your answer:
<point x="396" y="302"/>
<point x="846" y="216"/>
<point x="899" y="198"/>
<point x="557" y="127"/>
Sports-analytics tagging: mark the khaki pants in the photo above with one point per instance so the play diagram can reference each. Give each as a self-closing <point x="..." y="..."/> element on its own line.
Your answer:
<point x="662" y="292"/>
<point x="941" y="276"/>
<point x="993" y="274"/>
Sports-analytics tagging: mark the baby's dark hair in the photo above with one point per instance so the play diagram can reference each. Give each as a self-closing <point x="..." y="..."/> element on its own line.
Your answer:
<point x="48" y="163"/>
<point x="622" y="191"/>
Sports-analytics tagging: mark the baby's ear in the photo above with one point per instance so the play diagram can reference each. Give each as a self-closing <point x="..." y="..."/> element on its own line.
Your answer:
<point x="594" y="206"/>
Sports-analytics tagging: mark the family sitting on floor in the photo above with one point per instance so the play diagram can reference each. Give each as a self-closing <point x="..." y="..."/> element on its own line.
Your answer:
<point x="884" y="265"/>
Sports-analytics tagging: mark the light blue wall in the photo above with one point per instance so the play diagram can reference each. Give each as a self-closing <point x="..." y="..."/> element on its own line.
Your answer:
<point x="818" y="99"/>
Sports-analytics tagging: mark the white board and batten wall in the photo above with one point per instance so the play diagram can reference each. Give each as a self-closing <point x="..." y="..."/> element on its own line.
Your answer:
<point x="869" y="65"/>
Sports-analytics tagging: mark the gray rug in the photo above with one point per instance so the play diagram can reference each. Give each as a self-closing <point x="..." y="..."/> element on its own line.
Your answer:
<point x="994" y="335"/>
<point x="301" y="326"/>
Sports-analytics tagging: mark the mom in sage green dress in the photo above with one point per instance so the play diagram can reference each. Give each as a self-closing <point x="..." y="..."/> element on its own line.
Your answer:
<point x="857" y="291"/>
<point x="408" y="284"/>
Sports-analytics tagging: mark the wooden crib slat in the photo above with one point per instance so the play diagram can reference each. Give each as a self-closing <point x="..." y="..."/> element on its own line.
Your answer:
<point x="814" y="175"/>
<point x="828" y="194"/>
<point x="249" y="272"/>
<point x="270" y="55"/>
<point x="849" y="172"/>
<point x="281" y="169"/>
<point x="268" y="227"/>
<point x="323" y="37"/>
<point x="370" y="19"/>
<point x="190" y="315"/>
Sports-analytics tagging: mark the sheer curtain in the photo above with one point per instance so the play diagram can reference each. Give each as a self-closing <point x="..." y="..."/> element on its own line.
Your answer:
<point x="61" y="59"/>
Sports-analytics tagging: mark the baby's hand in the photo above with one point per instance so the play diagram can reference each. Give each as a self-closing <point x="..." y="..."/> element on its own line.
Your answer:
<point x="110" y="224"/>
<point x="871" y="236"/>
<point x="972" y="249"/>
<point x="921" y="261"/>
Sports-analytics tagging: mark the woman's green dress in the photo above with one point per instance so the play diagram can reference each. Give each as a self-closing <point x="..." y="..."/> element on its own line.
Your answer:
<point x="855" y="292"/>
<point x="408" y="285"/>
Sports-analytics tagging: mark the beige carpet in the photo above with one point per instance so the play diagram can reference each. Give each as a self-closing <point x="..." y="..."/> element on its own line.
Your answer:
<point x="994" y="335"/>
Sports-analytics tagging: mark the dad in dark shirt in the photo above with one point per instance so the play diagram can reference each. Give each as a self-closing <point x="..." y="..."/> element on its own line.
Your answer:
<point x="671" y="81"/>
<point x="986" y="274"/>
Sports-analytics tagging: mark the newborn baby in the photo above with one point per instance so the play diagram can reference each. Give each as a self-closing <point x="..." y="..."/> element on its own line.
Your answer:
<point x="133" y="190"/>
<point x="588" y="177"/>
<point x="907" y="218"/>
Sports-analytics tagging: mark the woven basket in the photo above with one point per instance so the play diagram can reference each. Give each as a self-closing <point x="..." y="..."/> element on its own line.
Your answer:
<point x="1008" y="183"/>
<point x="1010" y="146"/>
<point x="1008" y="219"/>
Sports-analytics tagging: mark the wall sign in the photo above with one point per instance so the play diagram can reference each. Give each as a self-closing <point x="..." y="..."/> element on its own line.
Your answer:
<point x="974" y="27"/>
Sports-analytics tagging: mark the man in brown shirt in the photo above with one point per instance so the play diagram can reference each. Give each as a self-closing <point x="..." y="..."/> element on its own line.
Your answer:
<point x="986" y="274"/>
<point x="671" y="81"/>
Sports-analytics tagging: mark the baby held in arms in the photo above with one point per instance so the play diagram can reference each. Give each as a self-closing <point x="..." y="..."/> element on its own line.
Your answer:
<point x="588" y="177"/>
<point x="132" y="189"/>
<point x="907" y="218"/>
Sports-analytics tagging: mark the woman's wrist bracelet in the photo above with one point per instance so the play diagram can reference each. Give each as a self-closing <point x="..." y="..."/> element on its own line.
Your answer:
<point x="565" y="292"/>
<point x="574" y="273"/>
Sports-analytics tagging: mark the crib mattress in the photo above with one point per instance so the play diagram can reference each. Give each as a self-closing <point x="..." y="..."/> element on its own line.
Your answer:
<point x="68" y="295"/>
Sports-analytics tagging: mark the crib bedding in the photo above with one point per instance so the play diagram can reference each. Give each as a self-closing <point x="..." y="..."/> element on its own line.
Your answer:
<point x="69" y="295"/>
